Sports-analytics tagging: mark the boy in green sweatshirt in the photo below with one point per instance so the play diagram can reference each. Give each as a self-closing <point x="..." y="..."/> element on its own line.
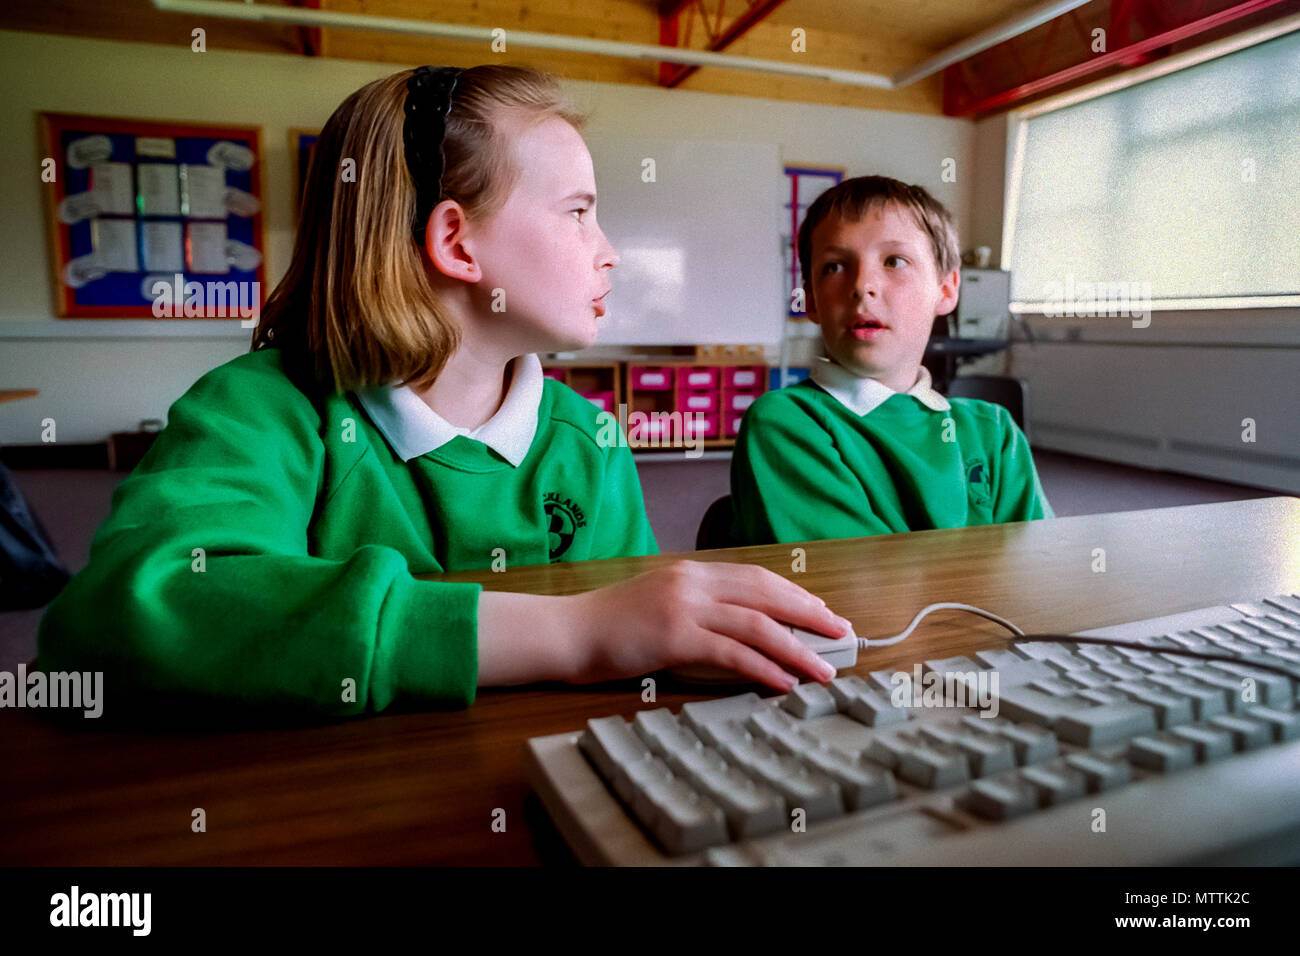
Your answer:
<point x="865" y="445"/>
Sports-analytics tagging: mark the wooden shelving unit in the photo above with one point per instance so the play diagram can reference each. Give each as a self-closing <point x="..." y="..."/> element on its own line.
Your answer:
<point x="626" y="382"/>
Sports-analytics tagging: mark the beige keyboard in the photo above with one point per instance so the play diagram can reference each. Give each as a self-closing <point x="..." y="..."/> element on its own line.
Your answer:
<point x="1034" y="753"/>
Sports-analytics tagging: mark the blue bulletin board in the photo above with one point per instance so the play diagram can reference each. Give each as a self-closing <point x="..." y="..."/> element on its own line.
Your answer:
<point x="302" y="143"/>
<point x="153" y="220"/>
<point x="803" y="184"/>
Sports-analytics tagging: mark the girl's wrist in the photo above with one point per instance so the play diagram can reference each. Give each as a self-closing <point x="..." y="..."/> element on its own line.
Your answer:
<point x="524" y="638"/>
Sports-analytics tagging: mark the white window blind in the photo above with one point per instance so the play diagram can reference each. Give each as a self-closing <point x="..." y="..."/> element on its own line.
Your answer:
<point x="1188" y="184"/>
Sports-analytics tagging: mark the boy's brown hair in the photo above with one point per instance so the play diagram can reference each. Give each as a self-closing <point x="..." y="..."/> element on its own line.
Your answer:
<point x="355" y="307"/>
<point x="852" y="199"/>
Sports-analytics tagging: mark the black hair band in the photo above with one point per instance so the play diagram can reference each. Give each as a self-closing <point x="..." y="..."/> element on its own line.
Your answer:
<point x="429" y="94"/>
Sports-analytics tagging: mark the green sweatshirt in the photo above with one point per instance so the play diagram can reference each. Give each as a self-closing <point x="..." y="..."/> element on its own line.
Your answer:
<point x="261" y="556"/>
<point x="806" y="467"/>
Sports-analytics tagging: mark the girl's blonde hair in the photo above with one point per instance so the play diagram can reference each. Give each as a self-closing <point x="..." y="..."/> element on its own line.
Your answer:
<point x="355" y="307"/>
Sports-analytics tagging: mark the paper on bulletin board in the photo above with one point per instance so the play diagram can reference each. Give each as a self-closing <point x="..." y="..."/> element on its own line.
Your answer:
<point x="164" y="247"/>
<point x="159" y="189"/>
<point x="89" y="150"/>
<point x="207" y="247"/>
<point x="114" y="243"/>
<point x="111" y="185"/>
<point x="203" y="192"/>
<point x="155" y="147"/>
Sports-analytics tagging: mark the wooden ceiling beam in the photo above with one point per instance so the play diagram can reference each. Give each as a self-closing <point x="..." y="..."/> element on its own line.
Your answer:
<point x="757" y="11"/>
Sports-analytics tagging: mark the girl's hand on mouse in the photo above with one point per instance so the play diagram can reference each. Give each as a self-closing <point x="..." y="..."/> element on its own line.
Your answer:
<point x="700" y="612"/>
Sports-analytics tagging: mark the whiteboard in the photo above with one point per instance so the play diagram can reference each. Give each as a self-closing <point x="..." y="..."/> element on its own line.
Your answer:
<point x="700" y="246"/>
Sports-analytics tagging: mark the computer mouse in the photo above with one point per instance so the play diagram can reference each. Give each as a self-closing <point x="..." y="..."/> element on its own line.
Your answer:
<point x="839" y="652"/>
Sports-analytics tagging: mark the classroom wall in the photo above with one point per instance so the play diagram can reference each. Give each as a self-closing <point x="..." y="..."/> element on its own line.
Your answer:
<point x="101" y="376"/>
<point x="1178" y="395"/>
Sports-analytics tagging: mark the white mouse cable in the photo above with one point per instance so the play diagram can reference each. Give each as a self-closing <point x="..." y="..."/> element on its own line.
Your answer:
<point x="864" y="643"/>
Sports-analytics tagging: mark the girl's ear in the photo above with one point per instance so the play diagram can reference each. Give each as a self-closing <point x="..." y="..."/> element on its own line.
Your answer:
<point x="444" y="242"/>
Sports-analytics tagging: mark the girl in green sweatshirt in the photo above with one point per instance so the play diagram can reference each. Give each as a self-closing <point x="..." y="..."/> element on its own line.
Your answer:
<point x="390" y="420"/>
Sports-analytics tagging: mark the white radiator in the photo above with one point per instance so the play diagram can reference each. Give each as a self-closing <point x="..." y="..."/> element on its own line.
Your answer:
<point x="1185" y="408"/>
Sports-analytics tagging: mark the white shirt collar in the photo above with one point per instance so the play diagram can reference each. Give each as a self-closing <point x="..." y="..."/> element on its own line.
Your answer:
<point x="864" y="395"/>
<point x="415" y="429"/>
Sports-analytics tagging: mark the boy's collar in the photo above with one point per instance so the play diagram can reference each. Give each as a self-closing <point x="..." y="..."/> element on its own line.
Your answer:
<point x="862" y="396"/>
<point x="415" y="429"/>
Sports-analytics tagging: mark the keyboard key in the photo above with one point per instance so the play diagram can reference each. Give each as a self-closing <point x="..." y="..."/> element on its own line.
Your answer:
<point x="1220" y="680"/>
<point x="779" y="731"/>
<point x="1249" y="609"/>
<point x="1158" y="642"/>
<point x="635" y="784"/>
<point x="876" y="710"/>
<point x="1122" y="671"/>
<point x="1024" y="704"/>
<point x="801" y="788"/>
<point x="886" y="683"/>
<point x="752" y="809"/>
<point x="1020" y="674"/>
<point x="1101" y="773"/>
<point x="662" y="732"/>
<point x="861" y="786"/>
<point x="1087" y="678"/>
<point x="685" y="821"/>
<point x="837" y="732"/>
<point x="1284" y="602"/>
<point x="986" y="756"/>
<point x="1001" y="798"/>
<point x="1162" y="752"/>
<point x="1100" y="695"/>
<point x="727" y="856"/>
<point x="933" y="766"/>
<point x="1209" y="743"/>
<point x="1286" y="725"/>
<point x="944" y="665"/>
<point x="1107" y="724"/>
<point x="1097" y="653"/>
<point x="727" y="735"/>
<point x="998" y="658"/>
<point x="611" y="744"/>
<point x="1247" y="734"/>
<point x="1233" y="629"/>
<point x="844" y="689"/>
<point x="1206" y="701"/>
<point x="1271" y="690"/>
<point x="1055" y="686"/>
<point x="808" y="701"/>
<point x="1055" y="783"/>
<point x="1190" y="641"/>
<point x="1031" y="744"/>
<point x="695" y="765"/>
<point x="1266" y="641"/>
<point x="700" y="714"/>
<point x="1151" y="664"/>
<point x="1039" y="650"/>
<point x="1065" y="661"/>
<point x="1170" y="708"/>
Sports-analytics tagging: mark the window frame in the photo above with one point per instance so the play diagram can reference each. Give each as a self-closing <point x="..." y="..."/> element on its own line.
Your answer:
<point x="1017" y="130"/>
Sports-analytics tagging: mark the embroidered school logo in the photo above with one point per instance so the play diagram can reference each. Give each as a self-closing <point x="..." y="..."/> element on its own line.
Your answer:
<point x="977" y="482"/>
<point x="564" y="517"/>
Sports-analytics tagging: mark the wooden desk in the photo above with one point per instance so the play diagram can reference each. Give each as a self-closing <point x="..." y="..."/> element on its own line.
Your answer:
<point x="421" y="788"/>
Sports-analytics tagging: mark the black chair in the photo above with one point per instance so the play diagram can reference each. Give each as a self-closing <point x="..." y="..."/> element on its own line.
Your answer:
<point x="1010" y="393"/>
<point x="715" y="526"/>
